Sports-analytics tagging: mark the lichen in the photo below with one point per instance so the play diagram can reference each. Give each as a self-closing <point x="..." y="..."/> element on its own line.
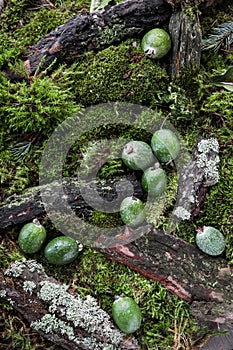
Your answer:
<point x="15" y="270"/>
<point x="29" y="286"/>
<point x="182" y="213"/>
<point x="2" y="293"/>
<point x="81" y="313"/>
<point x="207" y="145"/>
<point x="208" y="160"/>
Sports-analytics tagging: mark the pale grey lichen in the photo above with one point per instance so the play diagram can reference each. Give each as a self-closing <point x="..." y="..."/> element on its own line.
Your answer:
<point x="15" y="270"/>
<point x="182" y="213"/>
<point x="207" y="145"/>
<point x="33" y="266"/>
<point x="28" y="286"/>
<point x="77" y="312"/>
<point x="208" y="160"/>
<point x="81" y="313"/>
<point x="2" y="293"/>
<point x="49" y="323"/>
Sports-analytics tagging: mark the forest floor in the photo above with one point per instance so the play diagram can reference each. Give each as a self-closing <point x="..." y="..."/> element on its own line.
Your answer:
<point x="32" y="108"/>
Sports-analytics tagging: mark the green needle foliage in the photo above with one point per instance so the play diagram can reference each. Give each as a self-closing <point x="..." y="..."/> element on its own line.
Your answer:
<point x="221" y="37"/>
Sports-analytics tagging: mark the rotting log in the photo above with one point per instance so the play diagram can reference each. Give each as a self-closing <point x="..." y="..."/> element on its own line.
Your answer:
<point x="112" y="24"/>
<point x="155" y="254"/>
<point x="59" y="314"/>
<point x="194" y="180"/>
<point x="18" y="209"/>
<point x="96" y="31"/>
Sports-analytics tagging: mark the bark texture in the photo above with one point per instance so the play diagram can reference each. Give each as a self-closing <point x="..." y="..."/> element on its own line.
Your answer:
<point x="186" y="38"/>
<point x="203" y="281"/>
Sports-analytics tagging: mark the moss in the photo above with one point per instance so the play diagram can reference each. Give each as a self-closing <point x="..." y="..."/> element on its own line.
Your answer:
<point x="31" y="109"/>
<point x="118" y="73"/>
<point x="23" y="24"/>
<point x="100" y="219"/>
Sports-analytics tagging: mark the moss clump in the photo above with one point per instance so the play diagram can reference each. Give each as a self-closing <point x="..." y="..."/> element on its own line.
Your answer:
<point x="118" y="73"/>
<point x="38" y="106"/>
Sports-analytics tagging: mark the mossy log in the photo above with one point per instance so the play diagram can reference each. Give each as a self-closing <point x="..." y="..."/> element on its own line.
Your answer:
<point x="96" y="31"/>
<point x="111" y="25"/>
<point x="195" y="177"/>
<point x="23" y="208"/>
<point x="59" y="314"/>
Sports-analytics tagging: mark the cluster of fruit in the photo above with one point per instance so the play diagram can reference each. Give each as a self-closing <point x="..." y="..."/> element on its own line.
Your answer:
<point x="138" y="155"/>
<point x="59" y="251"/>
<point x="63" y="250"/>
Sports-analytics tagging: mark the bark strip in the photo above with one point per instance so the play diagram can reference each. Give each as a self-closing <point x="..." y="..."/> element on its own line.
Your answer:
<point x="57" y="313"/>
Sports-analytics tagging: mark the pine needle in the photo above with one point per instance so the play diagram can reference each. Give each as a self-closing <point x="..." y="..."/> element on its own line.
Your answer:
<point x="221" y="37"/>
<point x="20" y="150"/>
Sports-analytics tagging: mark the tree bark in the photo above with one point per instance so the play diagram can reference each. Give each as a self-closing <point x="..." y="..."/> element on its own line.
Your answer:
<point x="194" y="180"/>
<point x="22" y="208"/>
<point x="96" y="31"/>
<point x="186" y="38"/>
<point x="59" y="314"/>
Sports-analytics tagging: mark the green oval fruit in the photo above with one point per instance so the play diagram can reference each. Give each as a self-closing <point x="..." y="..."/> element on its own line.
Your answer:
<point x="61" y="250"/>
<point x="137" y="155"/>
<point x="154" y="180"/>
<point x="156" y="43"/>
<point x="210" y="241"/>
<point x="132" y="211"/>
<point x="165" y="145"/>
<point x="126" y="314"/>
<point x="31" y="237"/>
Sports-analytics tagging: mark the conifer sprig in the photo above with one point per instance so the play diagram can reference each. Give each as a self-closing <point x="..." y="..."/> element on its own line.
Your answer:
<point x="221" y="37"/>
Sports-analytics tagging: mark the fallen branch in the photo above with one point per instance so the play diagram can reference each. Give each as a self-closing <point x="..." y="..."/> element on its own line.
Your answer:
<point x="58" y="314"/>
<point x="96" y="31"/>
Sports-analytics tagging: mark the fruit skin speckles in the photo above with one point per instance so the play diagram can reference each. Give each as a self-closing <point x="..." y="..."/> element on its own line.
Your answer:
<point x="154" y="180"/>
<point x="156" y="43"/>
<point x="126" y="314"/>
<point x="210" y="240"/>
<point x="132" y="211"/>
<point x="137" y="155"/>
<point x="31" y="237"/>
<point x="165" y="145"/>
<point x="61" y="250"/>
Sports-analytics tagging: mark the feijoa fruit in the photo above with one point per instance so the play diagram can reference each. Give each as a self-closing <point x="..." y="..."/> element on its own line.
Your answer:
<point x="154" y="180"/>
<point x="156" y="43"/>
<point x="132" y="211"/>
<point x="126" y="314"/>
<point x="61" y="250"/>
<point x="31" y="237"/>
<point x="137" y="155"/>
<point x="165" y="145"/>
<point x="210" y="240"/>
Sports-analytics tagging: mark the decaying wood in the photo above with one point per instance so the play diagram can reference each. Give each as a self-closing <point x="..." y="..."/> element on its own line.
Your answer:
<point x="58" y="314"/>
<point x="111" y="25"/>
<point x="193" y="182"/>
<point x="186" y="37"/>
<point x="22" y="208"/>
<point x="206" y="282"/>
<point x="96" y="31"/>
